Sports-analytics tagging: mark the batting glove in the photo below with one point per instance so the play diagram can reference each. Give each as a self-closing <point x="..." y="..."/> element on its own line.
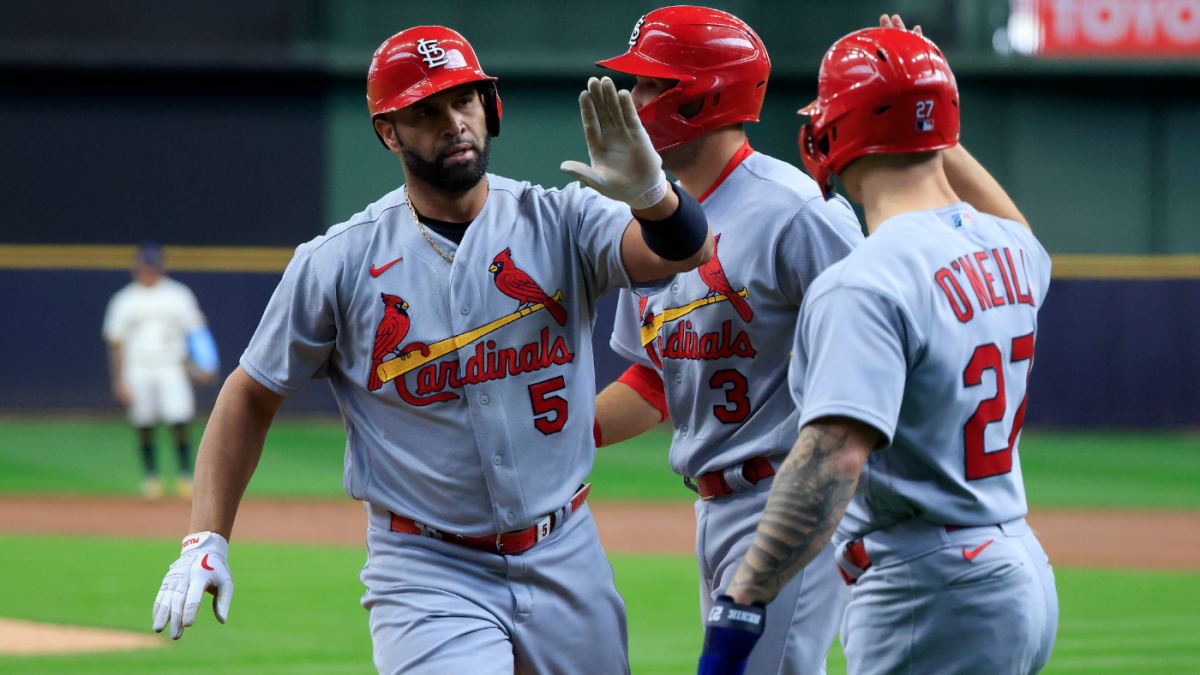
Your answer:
<point x="201" y="567"/>
<point x="625" y="166"/>
<point x="729" y="636"/>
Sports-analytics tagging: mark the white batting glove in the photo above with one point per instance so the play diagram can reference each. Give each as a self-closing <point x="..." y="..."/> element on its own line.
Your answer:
<point x="201" y="567"/>
<point x="625" y="166"/>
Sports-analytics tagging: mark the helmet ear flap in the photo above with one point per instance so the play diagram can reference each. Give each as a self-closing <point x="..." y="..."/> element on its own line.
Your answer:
<point x="491" y="107"/>
<point x="814" y="158"/>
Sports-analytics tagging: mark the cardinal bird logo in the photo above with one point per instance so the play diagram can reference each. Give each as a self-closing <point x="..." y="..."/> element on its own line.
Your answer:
<point x="388" y="336"/>
<point x="713" y="274"/>
<point x="517" y="285"/>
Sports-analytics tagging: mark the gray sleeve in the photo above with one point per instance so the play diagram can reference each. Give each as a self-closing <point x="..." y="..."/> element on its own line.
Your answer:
<point x="820" y="234"/>
<point x="626" y="338"/>
<point x="298" y="329"/>
<point x="600" y="226"/>
<point x="849" y="359"/>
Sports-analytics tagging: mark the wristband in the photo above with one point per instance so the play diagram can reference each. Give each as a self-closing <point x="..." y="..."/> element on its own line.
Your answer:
<point x="652" y="196"/>
<point x="730" y="634"/>
<point x="680" y="235"/>
<point x="726" y="613"/>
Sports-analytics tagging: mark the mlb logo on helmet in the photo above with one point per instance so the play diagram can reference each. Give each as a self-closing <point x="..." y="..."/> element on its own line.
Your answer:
<point x="924" y="125"/>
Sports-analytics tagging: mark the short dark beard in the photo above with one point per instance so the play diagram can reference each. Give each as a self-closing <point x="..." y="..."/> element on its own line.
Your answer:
<point x="454" y="179"/>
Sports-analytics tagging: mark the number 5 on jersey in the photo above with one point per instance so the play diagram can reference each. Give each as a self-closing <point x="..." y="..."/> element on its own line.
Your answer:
<point x="549" y="412"/>
<point x="979" y="461"/>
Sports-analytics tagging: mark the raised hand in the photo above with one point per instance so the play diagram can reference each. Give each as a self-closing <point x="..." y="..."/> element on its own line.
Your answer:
<point x="894" y="21"/>
<point x="625" y="166"/>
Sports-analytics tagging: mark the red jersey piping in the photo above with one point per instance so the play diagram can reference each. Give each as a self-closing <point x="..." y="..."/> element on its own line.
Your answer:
<point x="738" y="157"/>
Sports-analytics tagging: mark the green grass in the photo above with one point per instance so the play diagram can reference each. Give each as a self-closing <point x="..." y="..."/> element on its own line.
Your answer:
<point x="304" y="458"/>
<point x="296" y="611"/>
<point x="1112" y="469"/>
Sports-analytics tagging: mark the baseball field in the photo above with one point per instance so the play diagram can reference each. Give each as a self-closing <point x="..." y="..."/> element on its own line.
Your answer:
<point x="1119" y="514"/>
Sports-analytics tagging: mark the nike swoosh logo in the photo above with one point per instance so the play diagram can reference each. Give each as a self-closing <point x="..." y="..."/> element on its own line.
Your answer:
<point x="970" y="555"/>
<point x="376" y="272"/>
<point x="204" y="563"/>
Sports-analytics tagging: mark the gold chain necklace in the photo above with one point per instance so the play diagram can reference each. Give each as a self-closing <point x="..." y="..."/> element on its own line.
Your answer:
<point x="417" y="220"/>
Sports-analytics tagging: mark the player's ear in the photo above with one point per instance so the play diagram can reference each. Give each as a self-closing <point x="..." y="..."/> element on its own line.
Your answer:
<point x="386" y="130"/>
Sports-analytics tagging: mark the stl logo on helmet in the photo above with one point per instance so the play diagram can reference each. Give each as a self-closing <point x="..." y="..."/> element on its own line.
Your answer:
<point x="637" y="31"/>
<point x="433" y="55"/>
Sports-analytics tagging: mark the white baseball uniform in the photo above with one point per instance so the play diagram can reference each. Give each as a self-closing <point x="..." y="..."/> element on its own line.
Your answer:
<point x="719" y="340"/>
<point x="468" y="394"/>
<point x="926" y="333"/>
<point x="151" y="324"/>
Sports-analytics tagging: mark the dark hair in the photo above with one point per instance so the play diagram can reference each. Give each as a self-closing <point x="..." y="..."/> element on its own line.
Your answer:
<point x="150" y="254"/>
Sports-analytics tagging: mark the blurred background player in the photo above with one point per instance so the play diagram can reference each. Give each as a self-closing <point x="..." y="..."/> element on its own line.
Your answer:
<point x="157" y="341"/>
<point x="910" y="367"/>
<point x="721" y="335"/>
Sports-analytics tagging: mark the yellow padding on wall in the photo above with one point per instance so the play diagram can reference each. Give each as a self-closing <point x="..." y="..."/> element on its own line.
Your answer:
<point x="178" y="258"/>
<point x="1126" y="267"/>
<point x="267" y="259"/>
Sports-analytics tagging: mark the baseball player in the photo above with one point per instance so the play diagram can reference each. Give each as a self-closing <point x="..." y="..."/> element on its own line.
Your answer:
<point x="155" y="334"/>
<point x="453" y="320"/>
<point x="910" y="367"/>
<point x="712" y="352"/>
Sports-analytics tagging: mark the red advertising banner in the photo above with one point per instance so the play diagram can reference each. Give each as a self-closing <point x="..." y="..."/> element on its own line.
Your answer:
<point x="1118" y="28"/>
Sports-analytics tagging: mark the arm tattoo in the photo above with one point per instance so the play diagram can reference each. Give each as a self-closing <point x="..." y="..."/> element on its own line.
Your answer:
<point x="808" y="499"/>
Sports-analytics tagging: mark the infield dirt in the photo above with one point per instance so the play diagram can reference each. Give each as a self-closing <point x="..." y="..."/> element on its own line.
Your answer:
<point x="1138" y="539"/>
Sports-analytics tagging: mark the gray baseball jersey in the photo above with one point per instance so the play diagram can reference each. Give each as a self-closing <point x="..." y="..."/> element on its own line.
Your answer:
<point x="467" y="388"/>
<point x="720" y="335"/>
<point x="926" y="332"/>
<point x="720" y="339"/>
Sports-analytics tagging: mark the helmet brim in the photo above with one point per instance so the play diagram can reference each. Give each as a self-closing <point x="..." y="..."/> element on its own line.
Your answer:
<point x="632" y="63"/>
<point x="423" y="89"/>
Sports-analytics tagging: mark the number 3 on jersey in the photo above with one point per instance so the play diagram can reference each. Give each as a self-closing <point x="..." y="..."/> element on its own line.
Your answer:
<point x="981" y="463"/>
<point x="734" y="396"/>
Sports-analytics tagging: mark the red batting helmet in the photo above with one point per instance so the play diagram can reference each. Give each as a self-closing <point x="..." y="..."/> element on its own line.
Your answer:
<point x="709" y="52"/>
<point x="881" y="90"/>
<point x="423" y="61"/>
